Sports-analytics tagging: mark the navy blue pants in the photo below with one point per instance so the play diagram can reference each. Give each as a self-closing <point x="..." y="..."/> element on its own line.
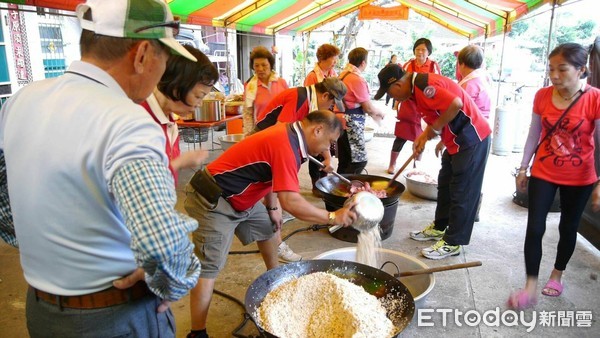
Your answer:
<point x="572" y="204"/>
<point x="459" y="190"/>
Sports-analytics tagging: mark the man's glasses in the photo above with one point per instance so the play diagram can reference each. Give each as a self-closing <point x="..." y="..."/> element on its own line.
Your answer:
<point x="170" y="24"/>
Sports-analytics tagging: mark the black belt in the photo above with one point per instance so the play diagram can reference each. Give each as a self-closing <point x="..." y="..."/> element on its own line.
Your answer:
<point x="206" y="186"/>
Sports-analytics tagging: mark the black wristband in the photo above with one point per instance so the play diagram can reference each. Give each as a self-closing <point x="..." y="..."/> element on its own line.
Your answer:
<point x="272" y="209"/>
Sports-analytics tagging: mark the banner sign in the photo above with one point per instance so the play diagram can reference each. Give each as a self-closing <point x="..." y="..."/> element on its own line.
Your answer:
<point x="370" y="12"/>
<point x="18" y="37"/>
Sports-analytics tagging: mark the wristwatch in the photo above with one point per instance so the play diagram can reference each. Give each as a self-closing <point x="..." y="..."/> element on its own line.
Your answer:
<point x="331" y="218"/>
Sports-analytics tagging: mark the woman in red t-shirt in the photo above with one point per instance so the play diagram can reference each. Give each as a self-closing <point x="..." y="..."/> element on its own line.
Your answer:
<point x="564" y="161"/>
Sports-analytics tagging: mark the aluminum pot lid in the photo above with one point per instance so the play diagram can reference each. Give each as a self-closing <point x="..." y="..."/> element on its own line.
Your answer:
<point x="368" y="206"/>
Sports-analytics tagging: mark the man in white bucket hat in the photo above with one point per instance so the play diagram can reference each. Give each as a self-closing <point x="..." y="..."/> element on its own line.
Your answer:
<point x="87" y="195"/>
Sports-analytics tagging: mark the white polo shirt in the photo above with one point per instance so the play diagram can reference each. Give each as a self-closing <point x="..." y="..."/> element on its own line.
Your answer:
<point x="63" y="140"/>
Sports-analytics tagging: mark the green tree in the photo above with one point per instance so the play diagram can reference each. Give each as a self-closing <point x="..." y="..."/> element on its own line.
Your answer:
<point x="518" y="28"/>
<point x="447" y="62"/>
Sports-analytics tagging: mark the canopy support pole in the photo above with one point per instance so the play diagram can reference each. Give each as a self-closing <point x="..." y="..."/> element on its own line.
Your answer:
<point x="546" y="80"/>
<point x="305" y="45"/>
<point x="227" y="65"/>
<point x="501" y="62"/>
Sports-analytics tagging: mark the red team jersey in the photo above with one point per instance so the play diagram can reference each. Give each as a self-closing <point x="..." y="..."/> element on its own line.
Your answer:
<point x="433" y="94"/>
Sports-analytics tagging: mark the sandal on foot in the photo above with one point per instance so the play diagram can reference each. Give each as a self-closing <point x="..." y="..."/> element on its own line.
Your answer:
<point x="552" y="288"/>
<point x="520" y="300"/>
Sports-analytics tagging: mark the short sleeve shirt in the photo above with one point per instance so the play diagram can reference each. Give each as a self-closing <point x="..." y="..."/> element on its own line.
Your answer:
<point x="261" y="163"/>
<point x="63" y="208"/>
<point x="264" y="94"/>
<point x="429" y="66"/>
<point x="312" y="79"/>
<point x="433" y="95"/>
<point x="567" y="155"/>
<point x="291" y="105"/>
<point x="358" y="90"/>
<point x="477" y="90"/>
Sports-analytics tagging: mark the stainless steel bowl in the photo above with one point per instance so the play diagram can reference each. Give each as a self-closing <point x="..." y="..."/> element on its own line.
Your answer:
<point x="228" y="140"/>
<point x="369" y="210"/>
<point x="420" y="189"/>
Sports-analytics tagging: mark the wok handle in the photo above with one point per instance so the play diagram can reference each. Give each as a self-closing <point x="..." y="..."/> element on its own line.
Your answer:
<point x="438" y="269"/>
<point x="334" y="228"/>
<point x="317" y="162"/>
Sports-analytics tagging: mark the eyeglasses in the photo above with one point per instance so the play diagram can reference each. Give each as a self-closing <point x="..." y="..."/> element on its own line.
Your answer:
<point x="170" y="24"/>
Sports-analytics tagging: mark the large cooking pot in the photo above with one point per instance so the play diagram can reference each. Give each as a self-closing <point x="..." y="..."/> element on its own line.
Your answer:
<point x="209" y="112"/>
<point x="374" y="281"/>
<point x="335" y="192"/>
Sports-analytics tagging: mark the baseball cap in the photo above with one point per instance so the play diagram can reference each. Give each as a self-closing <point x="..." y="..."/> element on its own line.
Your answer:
<point x="337" y="89"/>
<point x="135" y="19"/>
<point x="387" y="76"/>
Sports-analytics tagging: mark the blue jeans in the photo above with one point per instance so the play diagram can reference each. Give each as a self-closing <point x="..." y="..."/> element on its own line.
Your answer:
<point x="134" y="319"/>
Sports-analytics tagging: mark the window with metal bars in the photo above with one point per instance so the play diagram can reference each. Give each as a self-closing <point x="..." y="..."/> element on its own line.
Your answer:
<point x="52" y="49"/>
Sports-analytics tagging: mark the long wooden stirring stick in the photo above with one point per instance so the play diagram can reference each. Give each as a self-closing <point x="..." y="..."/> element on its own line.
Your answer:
<point x="402" y="168"/>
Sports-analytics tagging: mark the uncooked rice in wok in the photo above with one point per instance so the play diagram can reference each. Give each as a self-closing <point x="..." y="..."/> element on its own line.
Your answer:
<point x="321" y="305"/>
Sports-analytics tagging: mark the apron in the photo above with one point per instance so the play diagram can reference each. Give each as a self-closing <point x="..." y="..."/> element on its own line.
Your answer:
<point x="408" y="126"/>
<point x="355" y="122"/>
<point x="355" y="129"/>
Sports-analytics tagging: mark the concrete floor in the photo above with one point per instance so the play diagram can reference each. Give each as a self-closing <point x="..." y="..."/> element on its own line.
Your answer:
<point x="497" y="241"/>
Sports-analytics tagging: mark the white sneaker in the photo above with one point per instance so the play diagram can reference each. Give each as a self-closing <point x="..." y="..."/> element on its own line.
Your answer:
<point x="285" y="254"/>
<point x="440" y="250"/>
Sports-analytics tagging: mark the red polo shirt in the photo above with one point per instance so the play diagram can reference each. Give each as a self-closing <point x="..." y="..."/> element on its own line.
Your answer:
<point x="433" y="94"/>
<point x="261" y="163"/>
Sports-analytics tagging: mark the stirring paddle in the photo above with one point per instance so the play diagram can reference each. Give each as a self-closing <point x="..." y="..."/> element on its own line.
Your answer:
<point x="402" y="168"/>
<point x="354" y="183"/>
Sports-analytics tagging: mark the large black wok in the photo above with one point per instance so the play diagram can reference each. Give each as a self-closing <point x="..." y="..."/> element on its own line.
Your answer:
<point x="374" y="281"/>
<point x="336" y="191"/>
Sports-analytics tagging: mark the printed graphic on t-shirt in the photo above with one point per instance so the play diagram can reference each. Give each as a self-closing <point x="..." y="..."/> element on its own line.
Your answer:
<point x="564" y="145"/>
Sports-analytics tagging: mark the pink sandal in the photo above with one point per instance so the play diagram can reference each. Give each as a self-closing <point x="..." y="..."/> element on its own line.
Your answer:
<point x="552" y="288"/>
<point x="520" y="300"/>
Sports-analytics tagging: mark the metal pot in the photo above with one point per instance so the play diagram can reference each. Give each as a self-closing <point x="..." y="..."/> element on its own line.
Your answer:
<point x="234" y="107"/>
<point x="210" y="111"/>
<point x="376" y="282"/>
<point x="421" y="189"/>
<point x="334" y="190"/>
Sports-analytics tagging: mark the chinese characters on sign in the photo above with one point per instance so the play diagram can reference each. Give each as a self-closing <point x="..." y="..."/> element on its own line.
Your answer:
<point x="18" y="36"/>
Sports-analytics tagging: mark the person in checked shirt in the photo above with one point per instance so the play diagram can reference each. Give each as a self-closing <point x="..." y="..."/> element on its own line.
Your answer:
<point x="87" y="197"/>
